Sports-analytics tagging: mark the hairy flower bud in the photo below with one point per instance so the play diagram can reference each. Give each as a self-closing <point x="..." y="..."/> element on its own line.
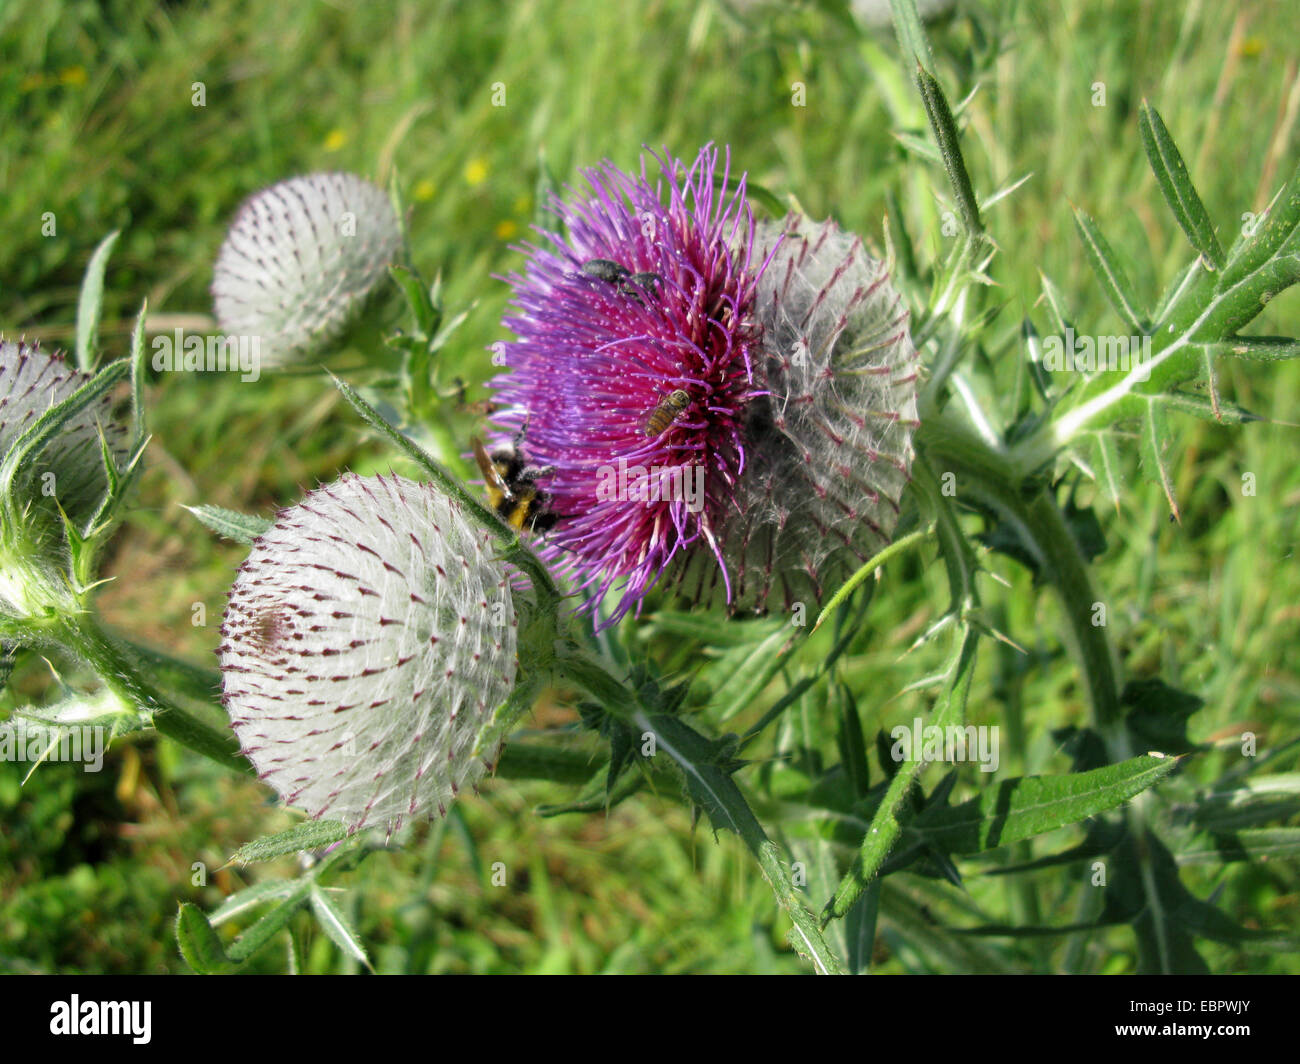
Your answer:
<point x="300" y="259"/>
<point x="369" y="639"/>
<point x="829" y="438"/>
<point x="70" y="468"/>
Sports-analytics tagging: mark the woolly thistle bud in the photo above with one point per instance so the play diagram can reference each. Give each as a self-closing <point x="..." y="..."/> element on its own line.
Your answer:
<point x="369" y="639"/>
<point x="300" y="258"/>
<point x="829" y="440"/>
<point x="70" y="468"/>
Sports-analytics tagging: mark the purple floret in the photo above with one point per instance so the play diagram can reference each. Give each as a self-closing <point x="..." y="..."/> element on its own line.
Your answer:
<point x="598" y="351"/>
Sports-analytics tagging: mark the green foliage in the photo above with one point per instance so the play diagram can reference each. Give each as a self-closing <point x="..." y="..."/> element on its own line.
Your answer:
<point x="965" y="874"/>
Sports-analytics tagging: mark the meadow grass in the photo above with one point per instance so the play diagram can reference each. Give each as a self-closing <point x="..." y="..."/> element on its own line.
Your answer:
<point x="100" y="128"/>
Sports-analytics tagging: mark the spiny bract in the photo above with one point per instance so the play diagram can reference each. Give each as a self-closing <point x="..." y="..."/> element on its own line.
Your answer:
<point x="32" y="381"/>
<point x="828" y="438"/>
<point x="369" y="639"/>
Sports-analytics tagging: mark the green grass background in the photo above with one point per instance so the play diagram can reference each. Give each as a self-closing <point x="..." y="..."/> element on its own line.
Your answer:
<point x="99" y="127"/>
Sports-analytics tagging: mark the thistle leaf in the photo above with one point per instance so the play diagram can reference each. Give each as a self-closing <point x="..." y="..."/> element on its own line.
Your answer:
<point x="199" y="943"/>
<point x="1176" y="186"/>
<point x="309" y="835"/>
<point x="90" y="302"/>
<point x="242" y="528"/>
<point x="1257" y="348"/>
<point x="336" y="925"/>
<point x="1105" y="264"/>
<point x="1155" y="440"/>
<point x="1033" y="805"/>
<point x="249" y="898"/>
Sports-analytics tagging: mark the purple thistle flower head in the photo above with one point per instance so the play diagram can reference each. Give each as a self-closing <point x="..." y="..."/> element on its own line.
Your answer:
<point x="632" y="370"/>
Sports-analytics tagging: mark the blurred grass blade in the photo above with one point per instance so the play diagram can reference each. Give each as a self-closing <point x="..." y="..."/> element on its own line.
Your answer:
<point x="1260" y="844"/>
<point x="1176" y="186"/>
<point x="911" y="35"/>
<point x="90" y="303"/>
<point x="885" y="825"/>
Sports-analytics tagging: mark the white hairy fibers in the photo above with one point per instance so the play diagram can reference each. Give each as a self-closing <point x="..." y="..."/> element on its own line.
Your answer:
<point x="300" y="259"/>
<point x="369" y="638"/>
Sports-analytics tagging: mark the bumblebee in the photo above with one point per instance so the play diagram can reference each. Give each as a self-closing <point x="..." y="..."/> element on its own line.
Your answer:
<point x="669" y="410"/>
<point x="512" y="489"/>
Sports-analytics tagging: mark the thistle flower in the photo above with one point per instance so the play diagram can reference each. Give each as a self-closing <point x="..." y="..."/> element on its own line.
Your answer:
<point x="32" y="381"/>
<point x="631" y="373"/>
<point x="829" y="436"/>
<point x="300" y="259"/>
<point x="369" y="639"/>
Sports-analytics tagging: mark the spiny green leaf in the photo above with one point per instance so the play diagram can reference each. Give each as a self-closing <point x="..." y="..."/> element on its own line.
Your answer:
<point x="539" y="761"/>
<point x="946" y="136"/>
<point x="1032" y="805"/>
<point x="309" y="835"/>
<point x="1257" y="348"/>
<point x="90" y="302"/>
<point x="242" y="528"/>
<point x="1176" y="185"/>
<point x="1268" y="237"/>
<point x="336" y="925"/>
<point x="418" y="299"/>
<point x="269" y="925"/>
<point x="1155" y="440"/>
<point x="1106" y="463"/>
<point x="249" y="898"/>
<point x="199" y="943"/>
<point x="1114" y="282"/>
<point x="911" y="34"/>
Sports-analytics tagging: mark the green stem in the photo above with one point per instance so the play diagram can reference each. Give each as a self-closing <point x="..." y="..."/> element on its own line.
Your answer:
<point x="590" y="672"/>
<point x="122" y="673"/>
<point x="988" y="477"/>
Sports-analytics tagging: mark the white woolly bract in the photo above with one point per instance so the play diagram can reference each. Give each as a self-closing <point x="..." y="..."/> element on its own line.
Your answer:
<point x="300" y="258"/>
<point x="828" y="448"/>
<point x="32" y="381"/>
<point x="368" y="640"/>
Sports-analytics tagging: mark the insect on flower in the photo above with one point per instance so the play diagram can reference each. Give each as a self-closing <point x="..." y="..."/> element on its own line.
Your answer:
<point x="618" y="275"/>
<point x="512" y="486"/>
<point x="670" y="408"/>
<point x="649" y="291"/>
